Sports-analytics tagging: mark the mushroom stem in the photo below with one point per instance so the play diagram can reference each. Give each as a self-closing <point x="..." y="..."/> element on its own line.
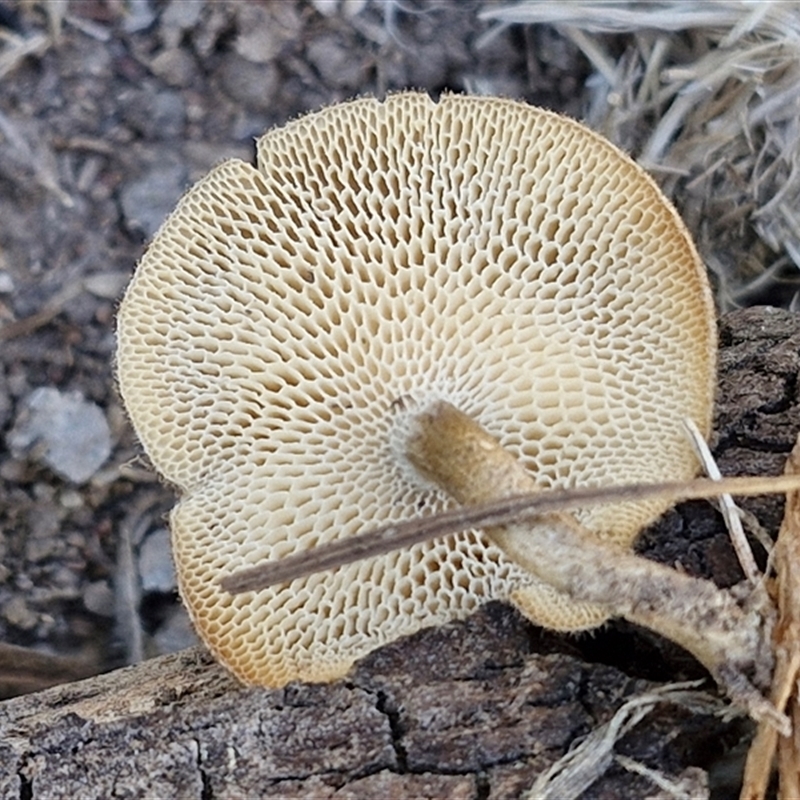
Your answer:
<point x="450" y="449"/>
<point x="730" y="638"/>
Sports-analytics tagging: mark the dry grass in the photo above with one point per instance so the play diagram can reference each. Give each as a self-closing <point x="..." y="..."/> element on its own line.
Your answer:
<point x="707" y="97"/>
<point x="571" y="775"/>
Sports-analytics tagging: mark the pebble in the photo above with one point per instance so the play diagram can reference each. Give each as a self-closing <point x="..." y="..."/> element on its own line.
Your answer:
<point x="62" y="430"/>
<point x="334" y="63"/>
<point x="153" y="114"/>
<point x="155" y="563"/>
<point x="347" y="8"/>
<point x="99" y="599"/>
<point x="140" y="15"/>
<point x="107" y="285"/>
<point x="175" y="634"/>
<point x="147" y="201"/>
<point x="249" y="84"/>
<point x="178" y="17"/>
<point x="175" y="67"/>
<point x="17" y="613"/>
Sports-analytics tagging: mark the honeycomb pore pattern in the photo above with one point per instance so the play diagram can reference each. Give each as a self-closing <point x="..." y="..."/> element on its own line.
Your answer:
<point x="379" y="255"/>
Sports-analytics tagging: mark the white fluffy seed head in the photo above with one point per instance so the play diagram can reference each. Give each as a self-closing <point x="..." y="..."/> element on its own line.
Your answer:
<point x="380" y="255"/>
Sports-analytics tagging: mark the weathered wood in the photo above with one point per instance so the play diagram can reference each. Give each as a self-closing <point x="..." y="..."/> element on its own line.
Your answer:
<point x="471" y="710"/>
<point x="465" y="711"/>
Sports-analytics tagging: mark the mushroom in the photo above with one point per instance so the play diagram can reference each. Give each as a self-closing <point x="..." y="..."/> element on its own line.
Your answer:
<point x="294" y="325"/>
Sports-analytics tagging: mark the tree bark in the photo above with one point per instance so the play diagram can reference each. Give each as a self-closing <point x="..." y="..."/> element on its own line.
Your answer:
<point x="471" y="710"/>
<point x="474" y="709"/>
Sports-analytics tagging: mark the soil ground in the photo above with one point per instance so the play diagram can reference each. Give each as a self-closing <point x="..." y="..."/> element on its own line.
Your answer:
<point x="108" y="112"/>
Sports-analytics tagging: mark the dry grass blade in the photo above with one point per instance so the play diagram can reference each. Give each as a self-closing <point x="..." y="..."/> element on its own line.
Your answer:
<point x="705" y="95"/>
<point x="784" y="693"/>
<point x="571" y="775"/>
<point x="27" y="146"/>
<point x="16" y="48"/>
<point x="398" y="536"/>
<point x="730" y="512"/>
<point x="692" y="784"/>
<point x="51" y="309"/>
<point x="622" y="16"/>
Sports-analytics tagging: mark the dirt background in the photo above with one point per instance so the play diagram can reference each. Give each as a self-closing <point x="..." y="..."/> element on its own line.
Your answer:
<point x="108" y="112"/>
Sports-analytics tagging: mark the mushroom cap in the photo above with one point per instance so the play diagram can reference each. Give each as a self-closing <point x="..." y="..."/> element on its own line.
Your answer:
<point x="289" y="316"/>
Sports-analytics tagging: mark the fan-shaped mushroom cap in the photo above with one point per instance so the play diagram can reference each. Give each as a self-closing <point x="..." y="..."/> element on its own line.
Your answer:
<point x="290" y="316"/>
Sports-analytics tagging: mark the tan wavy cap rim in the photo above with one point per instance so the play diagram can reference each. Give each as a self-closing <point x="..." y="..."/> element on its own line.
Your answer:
<point x="289" y="317"/>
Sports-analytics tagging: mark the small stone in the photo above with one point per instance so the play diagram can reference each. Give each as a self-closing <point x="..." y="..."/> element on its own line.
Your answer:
<point x="71" y="500"/>
<point x="157" y="115"/>
<point x="176" y="633"/>
<point x="266" y="31"/>
<point x="39" y="550"/>
<point x="177" y="17"/>
<point x="65" y="584"/>
<point x="147" y="202"/>
<point x="17" y="613"/>
<point x="64" y="431"/>
<point x="107" y="285"/>
<point x="251" y="85"/>
<point x="347" y="8"/>
<point x="155" y="563"/>
<point x="99" y="599"/>
<point x="140" y="15"/>
<point x="335" y="63"/>
<point x="175" y="67"/>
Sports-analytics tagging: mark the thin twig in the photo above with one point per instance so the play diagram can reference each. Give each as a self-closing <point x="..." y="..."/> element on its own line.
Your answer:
<point x="48" y="312"/>
<point x="397" y="536"/>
